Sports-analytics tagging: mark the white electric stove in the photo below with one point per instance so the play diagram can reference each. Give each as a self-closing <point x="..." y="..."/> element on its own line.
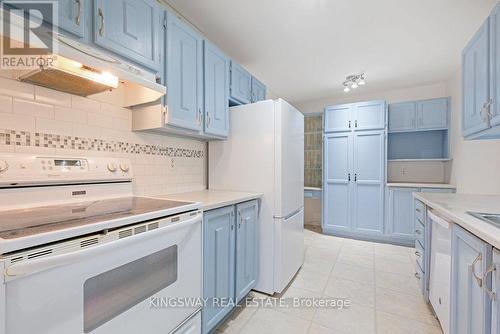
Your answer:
<point x="80" y="254"/>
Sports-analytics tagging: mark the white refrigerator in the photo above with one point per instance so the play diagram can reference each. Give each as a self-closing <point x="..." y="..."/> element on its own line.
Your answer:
<point x="265" y="153"/>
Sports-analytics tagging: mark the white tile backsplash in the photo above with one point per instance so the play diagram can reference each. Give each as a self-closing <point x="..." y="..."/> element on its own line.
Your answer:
<point x="51" y="96"/>
<point x="5" y="104"/>
<point x="31" y="108"/>
<point x="56" y="113"/>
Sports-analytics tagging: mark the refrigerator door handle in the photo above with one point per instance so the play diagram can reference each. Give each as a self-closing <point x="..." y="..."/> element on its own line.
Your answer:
<point x="290" y="215"/>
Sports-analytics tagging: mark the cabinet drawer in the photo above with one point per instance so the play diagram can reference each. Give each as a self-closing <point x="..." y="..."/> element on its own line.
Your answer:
<point x="419" y="274"/>
<point x="419" y="211"/>
<point x="419" y="231"/>
<point x="419" y="254"/>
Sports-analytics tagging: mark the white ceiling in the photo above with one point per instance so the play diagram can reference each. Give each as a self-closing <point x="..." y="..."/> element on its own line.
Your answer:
<point x="303" y="49"/>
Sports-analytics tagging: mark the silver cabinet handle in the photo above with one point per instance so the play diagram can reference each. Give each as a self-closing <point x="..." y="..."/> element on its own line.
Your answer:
<point x="418" y="210"/>
<point x="418" y="232"/>
<point x="79" y="12"/>
<point x="356" y="123"/>
<point x="349" y="124"/>
<point x="417" y="253"/>
<point x="101" y="26"/>
<point x="209" y="119"/>
<point x="417" y="275"/>
<point x="491" y="270"/>
<point x="473" y="269"/>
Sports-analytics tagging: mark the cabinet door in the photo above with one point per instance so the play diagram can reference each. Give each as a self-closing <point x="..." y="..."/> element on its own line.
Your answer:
<point x="475" y="81"/>
<point x="218" y="263"/>
<point x="401" y="222"/>
<point x="337" y="182"/>
<point x="369" y="115"/>
<point x="72" y="16"/>
<point x="246" y="248"/>
<point x="258" y="90"/>
<point x="495" y="64"/>
<point x="241" y="84"/>
<point x="432" y="114"/>
<point x="470" y="306"/>
<point x="402" y="116"/>
<point x="369" y="176"/>
<point x="495" y="289"/>
<point x="129" y="28"/>
<point x="216" y="88"/>
<point x="184" y="75"/>
<point x="338" y="118"/>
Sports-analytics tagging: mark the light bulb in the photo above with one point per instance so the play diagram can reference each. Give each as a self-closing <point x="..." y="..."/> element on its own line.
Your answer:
<point x="354" y="85"/>
<point x="346" y="89"/>
<point x="362" y="82"/>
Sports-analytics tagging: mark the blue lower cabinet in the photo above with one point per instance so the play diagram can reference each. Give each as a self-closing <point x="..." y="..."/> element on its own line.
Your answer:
<point x="246" y="248"/>
<point x="218" y="263"/>
<point x="495" y="289"/>
<point x="230" y="257"/>
<point x="470" y="303"/>
<point x="400" y="217"/>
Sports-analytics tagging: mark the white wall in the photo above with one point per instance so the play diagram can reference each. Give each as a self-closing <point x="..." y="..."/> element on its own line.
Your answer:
<point x="422" y="92"/>
<point x="476" y="164"/>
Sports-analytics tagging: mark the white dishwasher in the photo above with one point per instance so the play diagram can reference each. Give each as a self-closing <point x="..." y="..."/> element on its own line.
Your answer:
<point x="440" y="268"/>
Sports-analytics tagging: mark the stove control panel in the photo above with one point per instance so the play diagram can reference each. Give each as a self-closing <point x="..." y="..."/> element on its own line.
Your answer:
<point x="23" y="169"/>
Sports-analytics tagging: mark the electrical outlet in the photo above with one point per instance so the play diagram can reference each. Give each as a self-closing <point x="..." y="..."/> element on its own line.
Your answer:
<point x="172" y="164"/>
<point x="403" y="171"/>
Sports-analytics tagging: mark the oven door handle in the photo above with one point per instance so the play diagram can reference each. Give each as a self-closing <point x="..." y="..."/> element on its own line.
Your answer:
<point x="44" y="263"/>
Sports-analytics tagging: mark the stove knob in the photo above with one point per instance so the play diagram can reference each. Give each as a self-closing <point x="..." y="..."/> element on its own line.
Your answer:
<point x="124" y="167"/>
<point x="3" y="166"/>
<point x="112" y="167"/>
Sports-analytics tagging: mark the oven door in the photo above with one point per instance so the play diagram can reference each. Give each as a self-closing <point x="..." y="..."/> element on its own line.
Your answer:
<point x="116" y="287"/>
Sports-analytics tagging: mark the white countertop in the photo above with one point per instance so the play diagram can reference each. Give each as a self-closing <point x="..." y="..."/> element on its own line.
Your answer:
<point x="312" y="188"/>
<point x="454" y="208"/>
<point x="213" y="199"/>
<point x="421" y="185"/>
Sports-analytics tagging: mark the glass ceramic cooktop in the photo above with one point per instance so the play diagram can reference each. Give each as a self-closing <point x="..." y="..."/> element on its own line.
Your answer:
<point x="25" y="222"/>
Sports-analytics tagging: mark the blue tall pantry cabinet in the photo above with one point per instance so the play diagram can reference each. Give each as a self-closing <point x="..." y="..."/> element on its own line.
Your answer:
<point x="354" y="169"/>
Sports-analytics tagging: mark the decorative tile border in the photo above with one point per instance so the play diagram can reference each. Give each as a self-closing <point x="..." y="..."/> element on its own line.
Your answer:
<point x="37" y="139"/>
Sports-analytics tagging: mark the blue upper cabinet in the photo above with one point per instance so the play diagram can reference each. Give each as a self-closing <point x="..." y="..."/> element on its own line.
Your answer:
<point x="476" y="81"/>
<point x="258" y="90"/>
<point x="495" y="66"/>
<point x="368" y="115"/>
<point x="129" y="28"/>
<point x="241" y="84"/>
<point x="470" y="303"/>
<point x="402" y="116"/>
<point x="184" y="75"/>
<point x="72" y="16"/>
<point x="432" y="114"/>
<point x="218" y="264"/>
<point x="246" y="248"/>
<point x="216" y="88"/>
<point x="338" y="118"/>
<point x="355" y="116"/>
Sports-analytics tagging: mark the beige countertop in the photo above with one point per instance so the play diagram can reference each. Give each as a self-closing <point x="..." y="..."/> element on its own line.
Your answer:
<point x="213" y="199"/>
<point x="421" y="185"/>
<point x="454" y="207"/>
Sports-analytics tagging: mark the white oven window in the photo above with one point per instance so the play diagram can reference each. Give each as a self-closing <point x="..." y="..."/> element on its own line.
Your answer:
<point x="113" y="292"/>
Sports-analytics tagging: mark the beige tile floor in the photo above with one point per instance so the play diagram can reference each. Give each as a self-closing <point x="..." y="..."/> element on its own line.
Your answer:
<point x="378" y="279"/>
